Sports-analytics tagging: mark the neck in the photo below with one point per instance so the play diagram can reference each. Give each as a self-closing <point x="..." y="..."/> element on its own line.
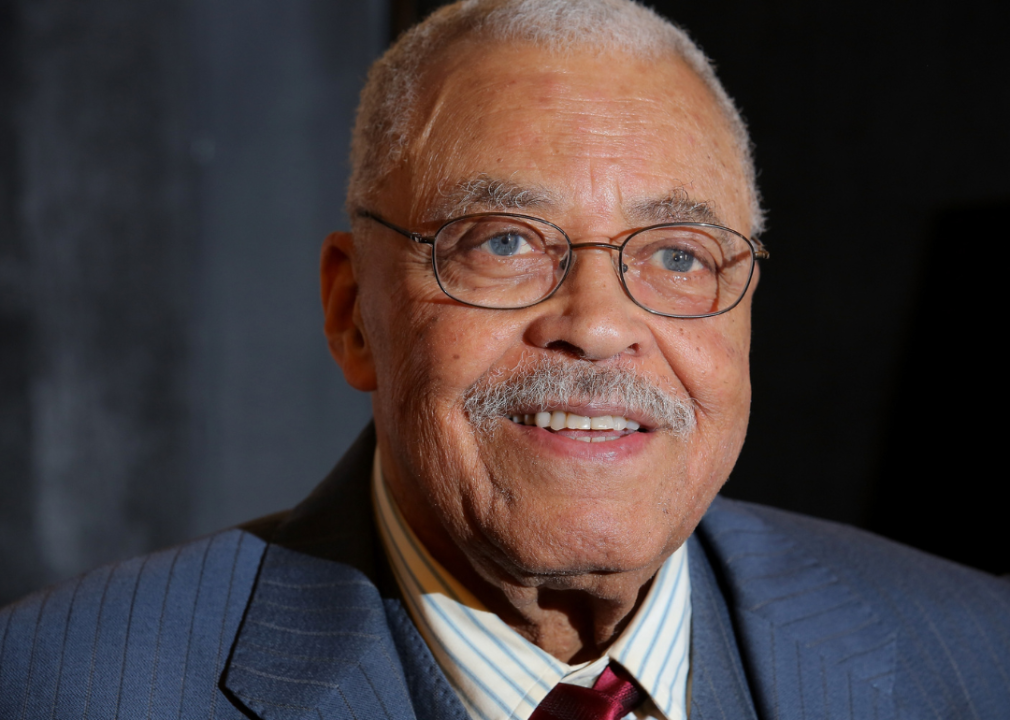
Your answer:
<point x="575" y="618"/>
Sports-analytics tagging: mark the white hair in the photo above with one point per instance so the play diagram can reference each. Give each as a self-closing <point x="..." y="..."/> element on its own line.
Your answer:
<point x="389" y="99"/>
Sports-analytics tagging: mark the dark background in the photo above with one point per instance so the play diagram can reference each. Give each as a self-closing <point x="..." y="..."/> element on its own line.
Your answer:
<point x="169" y="168"/>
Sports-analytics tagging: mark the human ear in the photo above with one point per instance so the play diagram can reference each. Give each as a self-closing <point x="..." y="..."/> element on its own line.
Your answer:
<point x="345" y="333"/>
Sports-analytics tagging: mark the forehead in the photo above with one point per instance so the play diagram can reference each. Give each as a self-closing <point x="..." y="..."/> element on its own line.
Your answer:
<point x="583" y="132"/>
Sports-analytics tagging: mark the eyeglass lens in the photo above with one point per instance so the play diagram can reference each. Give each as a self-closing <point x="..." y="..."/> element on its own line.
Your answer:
<point x="503" y="261"/>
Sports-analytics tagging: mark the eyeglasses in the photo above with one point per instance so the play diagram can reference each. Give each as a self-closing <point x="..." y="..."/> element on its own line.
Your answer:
<point x="508" y="262"/>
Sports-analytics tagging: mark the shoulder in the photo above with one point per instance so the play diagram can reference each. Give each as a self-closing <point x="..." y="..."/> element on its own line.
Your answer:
<point x="858" y="557"/>
<point x="162" y="622"/>
<point x="873" y="615"/>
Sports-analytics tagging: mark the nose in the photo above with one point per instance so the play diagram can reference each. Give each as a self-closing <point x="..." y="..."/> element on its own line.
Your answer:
<point x="590" y="316"/>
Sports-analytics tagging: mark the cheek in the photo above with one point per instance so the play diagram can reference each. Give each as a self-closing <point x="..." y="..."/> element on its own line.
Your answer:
<point x="429" y="349"/>
<point x="711" y="359"/>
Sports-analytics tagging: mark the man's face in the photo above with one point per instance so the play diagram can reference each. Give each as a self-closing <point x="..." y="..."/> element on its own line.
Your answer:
<point x="599" y="143"/>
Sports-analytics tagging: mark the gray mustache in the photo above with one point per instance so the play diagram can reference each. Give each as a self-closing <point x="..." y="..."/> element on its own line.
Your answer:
<point x="551" y="382"/>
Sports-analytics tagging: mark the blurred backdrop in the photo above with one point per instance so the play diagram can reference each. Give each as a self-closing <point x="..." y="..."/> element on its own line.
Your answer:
<point x="169" y="169"/>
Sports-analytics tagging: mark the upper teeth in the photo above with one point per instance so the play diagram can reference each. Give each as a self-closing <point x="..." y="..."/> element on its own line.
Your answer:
<point x="559" y="420"/>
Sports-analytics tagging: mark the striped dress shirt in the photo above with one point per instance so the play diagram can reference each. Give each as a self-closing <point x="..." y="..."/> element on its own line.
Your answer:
<point x="497" y="673"/>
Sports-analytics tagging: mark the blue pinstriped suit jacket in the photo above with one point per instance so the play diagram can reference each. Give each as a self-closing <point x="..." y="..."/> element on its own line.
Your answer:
<point x="296" y="617"/>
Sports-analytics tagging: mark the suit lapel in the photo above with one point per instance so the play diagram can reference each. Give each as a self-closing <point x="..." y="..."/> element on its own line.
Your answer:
<point x="315" y="643"/>
<point x="719" y="688"/>
<point x="434" y="698"/>
<point x="325" y="634"/>
<point x="811" y="647"/>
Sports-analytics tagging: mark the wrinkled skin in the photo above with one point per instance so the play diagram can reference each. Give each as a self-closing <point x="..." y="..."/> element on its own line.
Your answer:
<point x="558" y="537"/>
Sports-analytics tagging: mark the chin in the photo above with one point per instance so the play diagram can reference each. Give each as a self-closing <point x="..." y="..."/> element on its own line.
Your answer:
<point x="562" y="545"/>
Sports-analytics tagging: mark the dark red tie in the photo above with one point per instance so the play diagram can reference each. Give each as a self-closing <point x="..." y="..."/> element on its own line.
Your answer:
<point x="612" y="697"/>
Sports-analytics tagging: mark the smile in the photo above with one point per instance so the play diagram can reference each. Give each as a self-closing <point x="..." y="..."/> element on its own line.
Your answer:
<point x="604" y="428"/>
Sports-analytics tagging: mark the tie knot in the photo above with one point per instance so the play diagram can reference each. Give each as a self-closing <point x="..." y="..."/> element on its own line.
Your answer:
<point x="613" y="695"/>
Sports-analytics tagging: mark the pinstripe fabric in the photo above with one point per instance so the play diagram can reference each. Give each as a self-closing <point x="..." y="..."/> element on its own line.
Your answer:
<point x="719" y="685"/>
<point x="430" y="691"/>
<point x="315" y="642"/>
<point x="499" y="674"/>
<point x="142" y="639"/>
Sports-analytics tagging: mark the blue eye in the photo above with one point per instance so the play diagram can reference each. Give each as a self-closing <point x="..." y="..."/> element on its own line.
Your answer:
<point x="678" y="252"/>
<point x="507" y="245"/>
<point x="677" y="260"/>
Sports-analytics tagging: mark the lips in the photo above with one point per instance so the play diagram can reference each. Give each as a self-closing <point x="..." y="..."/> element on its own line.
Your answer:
<point x="602" y="428"/>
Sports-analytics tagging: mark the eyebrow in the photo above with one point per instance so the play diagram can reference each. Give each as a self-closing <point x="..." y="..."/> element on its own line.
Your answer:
<point x="483" y="193"/>
<point x="675" y="206"/>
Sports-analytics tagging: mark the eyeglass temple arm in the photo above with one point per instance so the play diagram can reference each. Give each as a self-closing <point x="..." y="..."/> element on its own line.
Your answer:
<point x="416" y="237"/>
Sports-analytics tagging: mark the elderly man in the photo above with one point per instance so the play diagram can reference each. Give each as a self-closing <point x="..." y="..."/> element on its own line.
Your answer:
<point x="547" y="291"/>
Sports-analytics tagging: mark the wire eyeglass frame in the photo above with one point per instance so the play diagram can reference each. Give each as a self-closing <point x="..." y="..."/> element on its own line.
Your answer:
<point x="757" y="249"/>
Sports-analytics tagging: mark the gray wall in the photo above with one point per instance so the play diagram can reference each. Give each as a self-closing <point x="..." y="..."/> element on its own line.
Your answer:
<point x="169" y="170"/>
